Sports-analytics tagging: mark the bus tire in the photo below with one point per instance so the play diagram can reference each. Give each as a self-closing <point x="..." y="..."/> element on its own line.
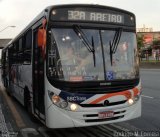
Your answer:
<point x="8" y="92"/>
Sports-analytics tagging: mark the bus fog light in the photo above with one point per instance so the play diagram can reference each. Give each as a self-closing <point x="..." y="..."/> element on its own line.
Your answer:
<point x="130" y="101"/>
<point x="63" y="104"/>
<point x="73" y="107"/>
<point x="55" y="99"/>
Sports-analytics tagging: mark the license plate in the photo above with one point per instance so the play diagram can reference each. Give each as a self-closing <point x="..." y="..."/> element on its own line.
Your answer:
<point x="107" y="114"/>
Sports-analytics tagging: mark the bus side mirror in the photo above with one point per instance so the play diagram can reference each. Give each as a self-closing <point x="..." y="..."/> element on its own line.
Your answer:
<point x="41" y="38"/>
<point x="42" y="41"/>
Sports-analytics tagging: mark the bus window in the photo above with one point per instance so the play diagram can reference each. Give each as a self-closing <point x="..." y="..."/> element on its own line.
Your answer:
<point x="20" y="51"/>
<point x="27" y="47"/>
<point x="14" y="53"/>
<point x="20" y="44"/>
<point x="81" y="64"/>
<point x="28" y="41"/>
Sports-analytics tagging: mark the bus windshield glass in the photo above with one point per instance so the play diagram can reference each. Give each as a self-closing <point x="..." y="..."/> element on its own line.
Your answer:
<point x="84" y="55"/>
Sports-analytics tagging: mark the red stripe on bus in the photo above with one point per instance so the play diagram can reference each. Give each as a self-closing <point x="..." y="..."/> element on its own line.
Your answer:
<point x="126" y="93"/>
<point x="135" y="91"/>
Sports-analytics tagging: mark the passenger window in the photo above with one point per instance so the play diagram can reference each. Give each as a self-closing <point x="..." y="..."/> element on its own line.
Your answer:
<point x="20" y="51"/>
<point x="20" y="45"/>
<point x="15" y="57"/>
<point x="28" y="41"/>
<point x="27" y="47"/>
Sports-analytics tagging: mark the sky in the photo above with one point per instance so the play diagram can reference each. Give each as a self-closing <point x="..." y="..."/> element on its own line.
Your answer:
<point x="20" y="12"/>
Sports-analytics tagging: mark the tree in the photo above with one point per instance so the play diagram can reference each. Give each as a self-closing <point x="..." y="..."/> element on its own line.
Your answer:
<point x="140" y="41"/>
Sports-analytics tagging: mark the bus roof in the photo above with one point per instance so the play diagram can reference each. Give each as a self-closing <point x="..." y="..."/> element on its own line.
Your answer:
<point x="49" y="8"/>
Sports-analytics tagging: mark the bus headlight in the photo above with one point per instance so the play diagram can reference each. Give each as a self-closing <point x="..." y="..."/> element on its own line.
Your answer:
<point x="57" y="100"/>
<point x="73" y="107"/>
<point x="130" y="101"/>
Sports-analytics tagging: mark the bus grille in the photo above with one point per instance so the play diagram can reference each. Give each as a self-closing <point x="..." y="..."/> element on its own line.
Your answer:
<point x="102" y="120"/>
<point x="102" y="105"/>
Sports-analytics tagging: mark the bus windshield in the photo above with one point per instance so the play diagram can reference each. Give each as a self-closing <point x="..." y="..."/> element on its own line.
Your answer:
<point x="69" y="58"/>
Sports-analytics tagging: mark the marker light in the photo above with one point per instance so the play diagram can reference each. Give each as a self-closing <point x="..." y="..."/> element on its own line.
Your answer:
<point x="55" y="99"/>
<point x="73" y="107"/>
<point x="132" y="18"/>
<point x="54" y="12"/>
<point x="130" y="101"/>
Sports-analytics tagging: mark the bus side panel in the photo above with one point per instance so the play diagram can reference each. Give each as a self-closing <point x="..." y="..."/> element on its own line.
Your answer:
<point x="25" y="80"/>
<point x="25" y="76"/>
<point x="21" y="77"/>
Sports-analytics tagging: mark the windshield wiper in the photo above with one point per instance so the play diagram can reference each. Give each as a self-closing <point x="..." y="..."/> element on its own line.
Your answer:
<point x="85" y="41"/>
<point x="94" y="57"/>
<point x="114" y="43"/>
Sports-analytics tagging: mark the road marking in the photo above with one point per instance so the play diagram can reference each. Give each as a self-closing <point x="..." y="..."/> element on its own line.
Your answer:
<point x="147" y="96"/>
<point x="13" y="109"/>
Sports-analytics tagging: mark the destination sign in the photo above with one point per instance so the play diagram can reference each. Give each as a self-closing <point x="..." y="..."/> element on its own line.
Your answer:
<point x="95" y="16"/>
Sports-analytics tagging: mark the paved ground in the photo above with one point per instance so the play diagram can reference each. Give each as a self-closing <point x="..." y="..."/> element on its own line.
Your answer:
<point x="7" y="122"/>
<point x="150" y="65"/>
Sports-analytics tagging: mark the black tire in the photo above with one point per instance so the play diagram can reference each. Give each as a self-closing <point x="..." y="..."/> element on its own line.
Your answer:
<point x="8" y="92"/>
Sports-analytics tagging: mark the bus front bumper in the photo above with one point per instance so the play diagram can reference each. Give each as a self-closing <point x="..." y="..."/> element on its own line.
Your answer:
<point x="60" y="118"/>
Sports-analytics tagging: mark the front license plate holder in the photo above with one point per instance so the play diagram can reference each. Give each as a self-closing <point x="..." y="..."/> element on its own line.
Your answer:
<point x="106" y="114"/>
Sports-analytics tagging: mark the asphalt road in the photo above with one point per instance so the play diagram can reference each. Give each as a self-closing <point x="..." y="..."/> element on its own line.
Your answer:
<point x="150" y="121"/>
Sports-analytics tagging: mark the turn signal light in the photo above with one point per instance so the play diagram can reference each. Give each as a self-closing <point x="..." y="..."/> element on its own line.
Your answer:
<point x="55" y="99"/>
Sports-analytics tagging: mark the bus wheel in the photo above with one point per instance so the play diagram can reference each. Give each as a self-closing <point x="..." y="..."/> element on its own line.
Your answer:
<point x="8" y="92"/>
<point x="28" y="106"/>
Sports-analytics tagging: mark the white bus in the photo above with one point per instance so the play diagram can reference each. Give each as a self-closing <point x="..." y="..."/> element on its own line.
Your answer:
<point x="76" y="65"/>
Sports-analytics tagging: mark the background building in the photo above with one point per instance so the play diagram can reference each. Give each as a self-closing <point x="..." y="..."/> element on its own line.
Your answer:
<point x="148" y="42"/>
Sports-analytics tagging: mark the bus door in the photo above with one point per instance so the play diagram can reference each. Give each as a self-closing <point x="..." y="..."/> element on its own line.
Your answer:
<point x="38" y="79"/>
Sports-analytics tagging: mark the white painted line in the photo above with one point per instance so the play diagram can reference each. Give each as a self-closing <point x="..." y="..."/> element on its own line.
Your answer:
<point x="147" y="96"/>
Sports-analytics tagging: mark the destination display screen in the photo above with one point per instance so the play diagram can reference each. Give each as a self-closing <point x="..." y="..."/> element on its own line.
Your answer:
<point x="95" y="16"/>
<point x="92" y="15"/>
